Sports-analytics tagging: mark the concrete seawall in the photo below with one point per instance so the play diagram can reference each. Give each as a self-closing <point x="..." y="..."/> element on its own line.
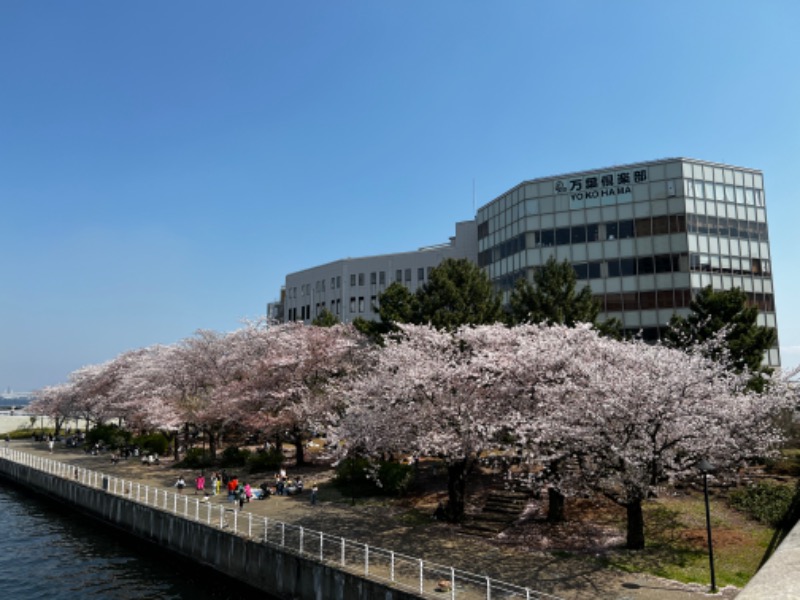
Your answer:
<point x="277" y="571"/>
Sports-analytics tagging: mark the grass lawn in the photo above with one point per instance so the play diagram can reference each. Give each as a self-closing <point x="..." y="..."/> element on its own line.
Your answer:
<point x="677" y="548"/>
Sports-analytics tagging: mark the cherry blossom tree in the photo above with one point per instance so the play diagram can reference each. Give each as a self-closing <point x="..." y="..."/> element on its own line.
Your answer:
<point x="57" y="402"/>
<point x="290" y="368"/>
<point x="428" y="392"/>
<point x="641" y="416"/>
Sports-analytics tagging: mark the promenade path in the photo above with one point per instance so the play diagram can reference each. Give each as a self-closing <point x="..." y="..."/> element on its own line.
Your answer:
<point x="384" y="525"/>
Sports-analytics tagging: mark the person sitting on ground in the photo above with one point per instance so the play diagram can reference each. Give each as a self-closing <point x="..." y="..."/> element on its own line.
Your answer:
<point x="265" y="491"/>
<point x="233" y="486"/>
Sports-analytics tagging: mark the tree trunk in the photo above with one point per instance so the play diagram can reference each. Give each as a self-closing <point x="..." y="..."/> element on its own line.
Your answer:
<point x="555" y="506"/>
<point x="212" y="444"/>
<point x="299" y="449"/>
<point x="635" y="539"/>
<point x="456" y="490"/>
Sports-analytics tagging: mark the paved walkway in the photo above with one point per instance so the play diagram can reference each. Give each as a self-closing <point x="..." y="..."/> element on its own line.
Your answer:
<point x="383" y="525"/>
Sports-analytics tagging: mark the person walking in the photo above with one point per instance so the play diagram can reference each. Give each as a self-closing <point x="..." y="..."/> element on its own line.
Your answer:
<point x="314" y="491"/>
<point x="200" y="484"/>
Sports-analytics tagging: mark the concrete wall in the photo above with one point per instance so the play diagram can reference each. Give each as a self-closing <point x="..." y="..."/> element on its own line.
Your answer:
<point x="779" y="578"/>
<point x="276" y="571"/>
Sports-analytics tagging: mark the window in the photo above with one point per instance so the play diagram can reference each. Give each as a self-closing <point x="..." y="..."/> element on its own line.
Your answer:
<point x="645" y="265"/>
<point x="398" y="275"/>
<point x="548" y="237"/>
<point x="373" y="278"/>
<point x="338" y="281"/>
<point x="360" y="279"/>
<point x="612" y="231"/>
<point x="626" y="229"/>
<point x="408" y="275"/>
<point x="382" y="278"/>
<point x="352" y="280"/>
<point x="578" y="235"/>
<point x="592" y="233"/>
<point x="562" y="236"/>
<point x="643" y="227"/>
<point x="627" y="266"/>
<point x="352" y="304"/>
<point x="421" y="274"/>
<point x="361" y="304"/>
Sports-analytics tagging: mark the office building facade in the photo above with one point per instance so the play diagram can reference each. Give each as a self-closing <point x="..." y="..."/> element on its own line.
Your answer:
<point x="350" y="288"/>
<point x="645" y="237"/>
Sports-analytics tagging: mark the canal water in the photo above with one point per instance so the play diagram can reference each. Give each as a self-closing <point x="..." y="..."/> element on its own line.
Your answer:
<point x="49" y="552"/>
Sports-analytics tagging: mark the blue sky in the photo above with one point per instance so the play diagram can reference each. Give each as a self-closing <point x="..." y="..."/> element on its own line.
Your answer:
<point x="163" y="165"/>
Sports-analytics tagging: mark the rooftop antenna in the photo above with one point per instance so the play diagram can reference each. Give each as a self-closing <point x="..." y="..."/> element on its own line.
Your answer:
<point x="473" y="196"/>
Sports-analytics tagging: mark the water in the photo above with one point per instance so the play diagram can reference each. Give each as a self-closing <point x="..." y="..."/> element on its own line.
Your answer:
<point x="51" y="553"/>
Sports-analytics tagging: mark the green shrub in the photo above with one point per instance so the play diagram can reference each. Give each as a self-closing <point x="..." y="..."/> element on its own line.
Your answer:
<point x="265" y="460"/>
<point x="395" y="477"/>
<point x="360" y="477"/>
<point x="233" y="456"/>
<point x="769" y="503"/>
<point x="110" y="435"/>
<point x="152" y="443"/>
<point x="197" y="458"/>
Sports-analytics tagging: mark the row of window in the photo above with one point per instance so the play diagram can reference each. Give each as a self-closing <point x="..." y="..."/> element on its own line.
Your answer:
<point x="359" y="279"/>
<point x="723" y="193"/>
<point x="682" y="298"/>
<point x="609" y="303"/>
<point x="634" y="228"/>
<point x="735" y="228"/>
<point x="660" y="263"/>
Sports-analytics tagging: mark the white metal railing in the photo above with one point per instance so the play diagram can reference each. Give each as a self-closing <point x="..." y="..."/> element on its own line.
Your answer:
<point x="426" y="578"/>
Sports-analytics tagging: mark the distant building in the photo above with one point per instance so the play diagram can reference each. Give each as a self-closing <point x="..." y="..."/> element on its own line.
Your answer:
<point x="350" y="287"/>
<point x="645" y="237"/>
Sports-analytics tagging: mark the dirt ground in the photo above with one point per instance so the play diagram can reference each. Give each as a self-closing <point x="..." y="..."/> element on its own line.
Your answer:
<point x="563" y="560"/>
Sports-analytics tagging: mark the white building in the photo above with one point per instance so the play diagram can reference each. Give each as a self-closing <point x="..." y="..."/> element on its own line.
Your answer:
<point x="350" y="287"/>
<point x="645" y="237"/>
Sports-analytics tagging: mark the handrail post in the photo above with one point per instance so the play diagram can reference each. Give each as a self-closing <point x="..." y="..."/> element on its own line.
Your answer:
<point x="421" y="577"/>
<point x="301" y="541"/>
<point x="366" y="559"/>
